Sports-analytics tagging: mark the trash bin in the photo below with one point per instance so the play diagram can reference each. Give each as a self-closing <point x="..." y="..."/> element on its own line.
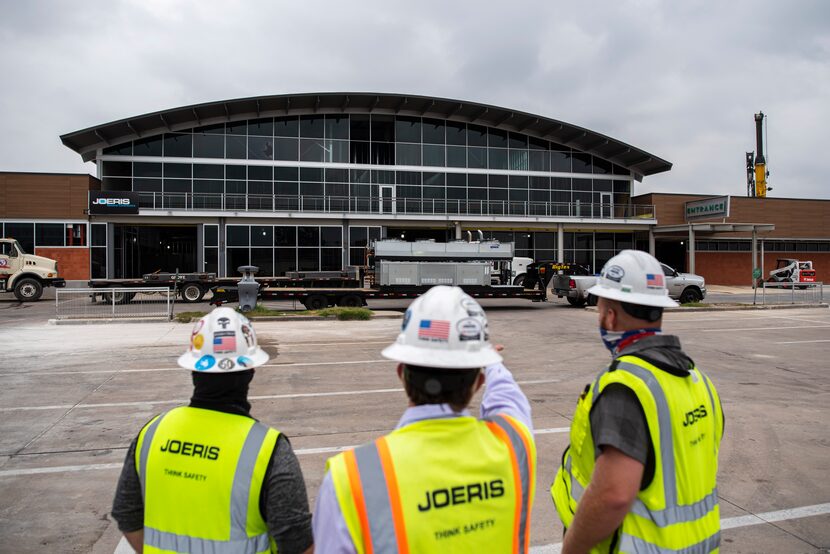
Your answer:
<point x="248" y="288"/>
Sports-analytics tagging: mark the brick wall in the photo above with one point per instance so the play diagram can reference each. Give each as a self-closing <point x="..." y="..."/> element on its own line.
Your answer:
<point x="735" y="268"/>
<point x="73" y="263"/>
<point x="45" y="195"/>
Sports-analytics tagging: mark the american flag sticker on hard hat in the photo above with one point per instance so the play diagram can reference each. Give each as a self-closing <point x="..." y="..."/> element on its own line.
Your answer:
<point x="434" y="329"/>
<point x="654" y="280"/>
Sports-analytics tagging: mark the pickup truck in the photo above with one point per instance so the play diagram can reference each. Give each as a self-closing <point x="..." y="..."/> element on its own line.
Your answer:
<point x="684" y="287"/>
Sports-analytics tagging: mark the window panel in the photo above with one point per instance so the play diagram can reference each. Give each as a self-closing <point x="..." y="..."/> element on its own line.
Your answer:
<point x="125" y="149"/>
<point x="261" y="127"/>
<point x="496" y="138"/>
<point x="286" y="127"/>
<point x="237" y="235"/>
<point x="476" y="135"/>
<point x="456" y="156"/>
<point x="98" y="263"/>
<point x="211" y="260"/>
<point x="383" y="128"/>
<point x="99" y="234"/>
<point x="237" y="128"/>
<point x="285" y="235"/>
<point x="331" y="259"/>
<point x="497" y="158"/>
<point x="477" y="157"/>
<point x="408" y="154"/>
<point x="408" y="129"/>
<point x="208" y="171"/>
<point x="456" y="133"/>
<point x="308" y="236"/>
<point x="237" y="257"/>
<point x="236" y="147"/>
<point x="358" y="236"/>
<point x="49" y="234"/>
<point x="383" y="153"/>
<point x="601" y="166"/>
<point x="560" y="162"/>
<point x="285" y="259"/>
<point x="260" y="148"/>
<point x="147" y="147"/>
<point x="211" y="235"/>
<point x="308" y="259"/>
<point x="263" y="258"/>
<point x="311" y="126"/>
<point x="311" y="150"/>
<point x="360" y="152"/>
<point x="433" y="131"/>
<point x="581" y="162"/>
<point x="433" y="155"/>
<point x="178" y="185"/>
<point x="117" y="169"/>
<point x="359" y="127"/>
<point x="178" y="171"/>
<point x="178" y="146"/>
<point x="539" y="160"/>
<point x="147" y="169"/>
<point x="260" y="172"/>
<point x="336" y="151"/>
<point x="337" y="127"/>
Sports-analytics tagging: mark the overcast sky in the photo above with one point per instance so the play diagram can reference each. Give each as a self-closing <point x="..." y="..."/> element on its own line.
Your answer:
<point x="679" y="79"/>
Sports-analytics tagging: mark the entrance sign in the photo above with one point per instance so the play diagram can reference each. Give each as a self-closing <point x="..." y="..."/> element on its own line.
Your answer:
<point x="711" y="207"/>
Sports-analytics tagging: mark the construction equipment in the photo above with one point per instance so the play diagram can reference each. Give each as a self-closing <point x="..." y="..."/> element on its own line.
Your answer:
<point x="25" y="274"/>
<point x="756" y="163"/>
<point x="788" y="270"/>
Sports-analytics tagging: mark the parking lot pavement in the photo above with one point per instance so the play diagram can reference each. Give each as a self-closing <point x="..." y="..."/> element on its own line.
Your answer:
<point x="73" y="397"/>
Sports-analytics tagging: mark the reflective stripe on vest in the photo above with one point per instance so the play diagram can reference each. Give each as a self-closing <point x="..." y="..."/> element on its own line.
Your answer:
<point x="239" y="500"/>
<point x="376" y="496"/>
<point x="673" y="512"/>
<point x="522" y="469"/>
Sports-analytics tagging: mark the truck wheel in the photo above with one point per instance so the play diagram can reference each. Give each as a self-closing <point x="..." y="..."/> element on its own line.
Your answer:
<point x="519" y="280"/>
<point x="121" y="297"/>
<point x="592" y="300"/>
<point x="28" y="290"/>
<point x="578" y="302"/>
<point x="316" y="302"/>
<point x="192" y="292"/>
<point x="350" y="301"/>
<point x="690" y="295"/>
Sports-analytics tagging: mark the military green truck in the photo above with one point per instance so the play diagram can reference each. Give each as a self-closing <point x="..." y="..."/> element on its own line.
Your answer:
<point x="26" y="274"/>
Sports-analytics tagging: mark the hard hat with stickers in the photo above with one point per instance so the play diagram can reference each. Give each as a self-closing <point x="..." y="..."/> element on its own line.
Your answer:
<point x="444" y="328"/>
<point x="221" y="342"/>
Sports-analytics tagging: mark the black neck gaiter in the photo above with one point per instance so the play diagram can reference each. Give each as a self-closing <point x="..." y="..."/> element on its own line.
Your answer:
<point x="222" y="392"/>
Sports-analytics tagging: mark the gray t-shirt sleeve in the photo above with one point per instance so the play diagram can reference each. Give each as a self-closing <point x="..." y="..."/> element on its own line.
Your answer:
<point x="128" y="504"/>
<point x="617" y="420"/>
<point x="284" y="501"/>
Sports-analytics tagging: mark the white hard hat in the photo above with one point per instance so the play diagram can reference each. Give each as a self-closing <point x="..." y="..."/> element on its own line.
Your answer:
<point x="221" y="342"/>
<point x="444" y="328"/>
<point x="635" y="277"/>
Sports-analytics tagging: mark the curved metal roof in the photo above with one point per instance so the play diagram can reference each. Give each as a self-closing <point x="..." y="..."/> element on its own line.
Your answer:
<point x="87" y="141"/>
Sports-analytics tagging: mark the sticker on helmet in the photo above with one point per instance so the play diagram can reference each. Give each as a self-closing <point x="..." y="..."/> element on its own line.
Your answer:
<point x="223" y="322"/>
<point x="406" y="317"/>
<point x="435" y="330"/>
<point x="198" y="341"/>
<point x="250" y="338"/>
<point x="469" y="329"/>
<point x="226" y="364"/>
<point x="244" y="361"/>
<point x="614" y="273"/>
<point x="472" y="307"/>
<point x="205" y="362"/>
<point x="224" y="342"/>
<point x="654" y="280"/>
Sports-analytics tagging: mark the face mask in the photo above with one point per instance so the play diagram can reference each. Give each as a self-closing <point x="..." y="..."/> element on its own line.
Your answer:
<point x="612" y="339"/>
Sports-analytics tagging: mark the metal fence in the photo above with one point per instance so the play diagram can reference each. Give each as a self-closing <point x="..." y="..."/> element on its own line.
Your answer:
<point x="792" y="293"/>
<point x="114" y="303"/>
<point x="388" y="205"/>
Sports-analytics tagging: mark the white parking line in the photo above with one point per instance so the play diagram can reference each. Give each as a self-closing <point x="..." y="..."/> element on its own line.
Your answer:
<point x="779" y="328"/>
<point x="728" y="523"/>
<point x="252" y="397"/>
<point x="145" y="370"/>
<point x="801" y="341"/>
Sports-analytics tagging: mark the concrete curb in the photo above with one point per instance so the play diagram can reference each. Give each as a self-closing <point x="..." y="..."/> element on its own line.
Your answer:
<point x="736" y="308"/>
<point x="375" y="315"/>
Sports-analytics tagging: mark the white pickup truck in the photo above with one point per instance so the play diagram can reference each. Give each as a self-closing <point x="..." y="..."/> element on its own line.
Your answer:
<point x="684" y="287"/>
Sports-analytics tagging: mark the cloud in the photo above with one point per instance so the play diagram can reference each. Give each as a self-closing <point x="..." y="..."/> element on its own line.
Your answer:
<point x="679" y="79"/>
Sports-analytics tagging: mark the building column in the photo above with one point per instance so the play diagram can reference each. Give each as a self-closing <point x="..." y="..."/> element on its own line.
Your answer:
<point x="457" y="225"/>
<point x="111" y="250"/>
<point x="691" y="249"/>
<point x="652" y="247"/>
<point x="221" y="269"/>
<point x="560" y="243"/>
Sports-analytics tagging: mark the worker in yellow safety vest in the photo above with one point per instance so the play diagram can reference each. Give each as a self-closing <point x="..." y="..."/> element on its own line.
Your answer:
<point x="442" y="481"/>
<point x="639" y="474"/>
<point x="208" y="477"/>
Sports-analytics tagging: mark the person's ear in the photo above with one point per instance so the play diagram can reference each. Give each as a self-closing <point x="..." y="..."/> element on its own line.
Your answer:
<point x="400" y="372"/>
<point x="479" y="381"/>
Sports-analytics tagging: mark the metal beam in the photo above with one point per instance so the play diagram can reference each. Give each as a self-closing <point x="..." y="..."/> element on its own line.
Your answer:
<point x="346" y="101"/>
<point x="196" y="115"/>
<point x="428" y="107"/>
<point x="317" y="104"/>
<point x="102" y="137"/>
<point x="164" y="120"/>
<point x="375" y="104"/>
<point x="521" y="128"/>
<point x="480" y="114"/>
<point x="404" y="101"/>
<point x="503" y="119"/>
<point x="133" y="129"/>
<point x="453" y="111"/>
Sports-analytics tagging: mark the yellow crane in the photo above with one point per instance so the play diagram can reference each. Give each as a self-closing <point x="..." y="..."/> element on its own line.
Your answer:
<point x="756" y="164"/>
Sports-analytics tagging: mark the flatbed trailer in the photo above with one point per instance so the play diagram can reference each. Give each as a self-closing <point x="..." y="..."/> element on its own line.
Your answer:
<point x="192" y="287"/>
<point x="318" y="298"/>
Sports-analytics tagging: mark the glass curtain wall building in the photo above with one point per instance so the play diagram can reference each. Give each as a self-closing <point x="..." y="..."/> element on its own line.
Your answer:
<point x="350" y="166"/>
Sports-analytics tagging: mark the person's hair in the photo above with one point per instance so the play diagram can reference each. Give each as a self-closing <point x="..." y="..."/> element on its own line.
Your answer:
<point x="429" y="385"/>
<point x="647" y="313"/>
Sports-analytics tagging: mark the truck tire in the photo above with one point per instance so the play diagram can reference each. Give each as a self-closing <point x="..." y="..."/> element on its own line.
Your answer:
<point x="519" y="280"/>
<point x="121" y="297"/>
<point x="28" y="290"/>
<point x="577" y="302"/>
<point x="592" y="300"/>
<point x="350" y="301"/>
<point x="192" y="292"/>
<point x="316" y="302"/>
<point x="689" y="295"/>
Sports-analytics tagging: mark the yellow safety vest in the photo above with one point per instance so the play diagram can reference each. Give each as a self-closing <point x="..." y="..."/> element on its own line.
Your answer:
<point x="678" y="512"/>
<point x="201" y="474"/>
<point x="440" y="485"/>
